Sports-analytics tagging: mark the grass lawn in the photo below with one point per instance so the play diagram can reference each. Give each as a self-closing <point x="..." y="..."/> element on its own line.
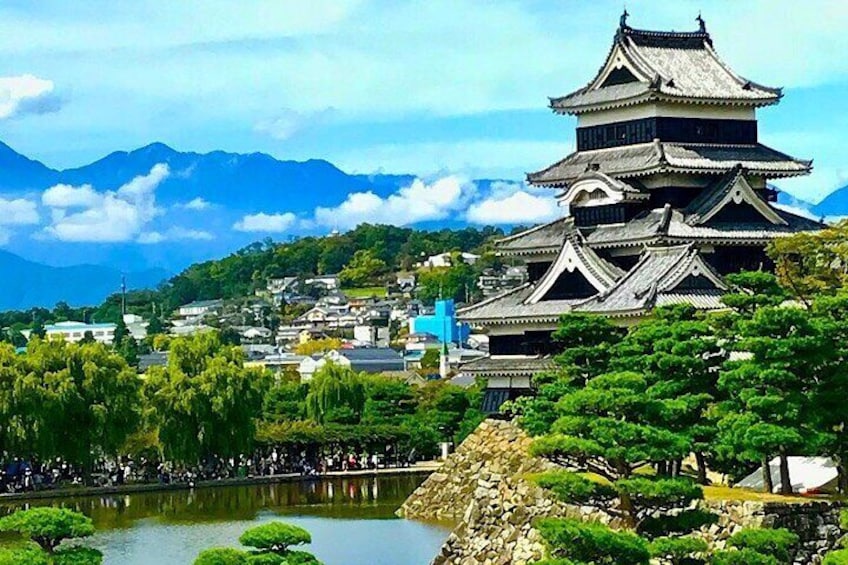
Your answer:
<point x="743" y="494"/>
<point x="365" y="292"/>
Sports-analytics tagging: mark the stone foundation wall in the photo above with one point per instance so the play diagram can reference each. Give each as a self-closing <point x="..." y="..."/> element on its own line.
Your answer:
<point x="485" y="486"/>
<point x="816" y="523"/>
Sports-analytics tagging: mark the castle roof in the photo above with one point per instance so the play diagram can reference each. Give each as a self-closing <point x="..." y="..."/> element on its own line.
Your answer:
<point x="664" y="157"/>
<point x="658" y="280"/>
<point x="645" y="66"/>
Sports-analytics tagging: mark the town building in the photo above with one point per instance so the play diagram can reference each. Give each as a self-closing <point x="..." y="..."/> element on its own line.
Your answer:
<point x="446" y="259"/>
<point x="200" y="308"/>
<point x="442" y="323"/>
<point x="73" y="332"/>
<point x="667" y="191"/>
<point x="360" y="359"/>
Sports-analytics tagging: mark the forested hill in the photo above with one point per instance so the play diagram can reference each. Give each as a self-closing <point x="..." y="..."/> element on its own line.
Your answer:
<point x="380" y="251"/>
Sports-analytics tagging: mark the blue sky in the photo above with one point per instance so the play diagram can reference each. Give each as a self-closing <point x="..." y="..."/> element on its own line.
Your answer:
<point x="423" y="87"/>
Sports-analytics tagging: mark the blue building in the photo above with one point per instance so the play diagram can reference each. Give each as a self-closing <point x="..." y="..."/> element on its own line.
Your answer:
<point x="441" y="323"/>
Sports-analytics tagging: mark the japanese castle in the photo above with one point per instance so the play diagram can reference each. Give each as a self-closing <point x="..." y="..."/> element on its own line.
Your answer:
<point x="666" y="192"/>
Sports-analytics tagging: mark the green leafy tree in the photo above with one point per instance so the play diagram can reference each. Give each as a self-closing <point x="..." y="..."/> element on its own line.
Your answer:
<point x="335" y="390"/>
<point x="609" y="428"/>
<point x="205" y="400"/>
<point x="832" y="386"/>
<point x="48" y="526"/>
<point x="458" y="282"/>
<point x="363" y="269"/>
<point x="222" y="556"/>
<point x="680" y="354"/>
<point x="770" y="409"/>
<point x="30" y="554"/>
<point x="777" y="543"/>
<point x="812" y="263"/>
<point x="121" y="333"/>
<point x="75" y="401"/>
<point x="272" y="544"/>
<point x="587" y="542"/>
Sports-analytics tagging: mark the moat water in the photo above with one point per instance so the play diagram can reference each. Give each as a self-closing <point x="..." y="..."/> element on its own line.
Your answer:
<point x="351" y="520"/>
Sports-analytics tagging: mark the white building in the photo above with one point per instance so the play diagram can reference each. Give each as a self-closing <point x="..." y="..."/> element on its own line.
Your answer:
<point x="200" y="308"/>
<point x="75" y="331"/>
<point x="445" y="259"/>
<point x="136" y="325"/>
<point x="330" y="282"/>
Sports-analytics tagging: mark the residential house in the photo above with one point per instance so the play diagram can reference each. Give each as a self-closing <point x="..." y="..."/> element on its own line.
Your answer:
<point x="201" y="308"/>
<point x="446" y="259"/>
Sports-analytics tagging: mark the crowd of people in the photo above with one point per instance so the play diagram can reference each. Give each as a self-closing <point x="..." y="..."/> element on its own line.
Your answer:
<point x="21" y="475"/>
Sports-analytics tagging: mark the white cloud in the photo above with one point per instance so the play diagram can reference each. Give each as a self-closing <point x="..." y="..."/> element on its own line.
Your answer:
<point x="150" y="237"/>
<point x="197" y="204"/>
<point x="175" y="233"/>
<point x="186" y="233"/>
<point x="18" y="212"/>
<point x="26" y="94"/>
<point x="288" y="122"/>
<point x="417" y="202"/>
<point x="82" y="214"/>
<point x="514" y="204"/>
<point x="270" y="223"/>
<point x="67" y="196"/>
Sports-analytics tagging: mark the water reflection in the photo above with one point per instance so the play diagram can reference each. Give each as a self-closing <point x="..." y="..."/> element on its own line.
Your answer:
<point x="355" y="497"/>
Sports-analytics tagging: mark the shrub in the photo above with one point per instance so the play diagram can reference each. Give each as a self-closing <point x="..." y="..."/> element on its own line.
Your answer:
<point x="275" y="537"/>
<point x="743" y="557"/>
<point x="78" y="556"/>
<point x="48" y="526"/>
<point x="29" y="554"/>
<point x="574" y="488"/>
<point x="777" y="542"/>
<point x="222" y="556"/>
<point x="644" y="491"/>
<point x="590" y="542"/>
<point x="838" y="557"/>
<point x="676" y="550"/>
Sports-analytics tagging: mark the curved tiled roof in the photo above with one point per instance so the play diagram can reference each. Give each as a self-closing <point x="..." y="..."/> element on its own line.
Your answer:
<point x="670" y="66"/>
<point x="659" y="157"/>
<point x="545" y="238"/>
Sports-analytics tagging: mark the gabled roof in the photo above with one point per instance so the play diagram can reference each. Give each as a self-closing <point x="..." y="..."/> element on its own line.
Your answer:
<point x="511" y="307"/>
<point x="594" y="187"/>
<point x="656" y="280"/>
<point x="526" y="301"/>
<point x="669" y="66"/>
<point x="574" y="256"/>
<point x="543" y="239"/>
<point x="733" y="187"/>
<point x="661" y="157"/>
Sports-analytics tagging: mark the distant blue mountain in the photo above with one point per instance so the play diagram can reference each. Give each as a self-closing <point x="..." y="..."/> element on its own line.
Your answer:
<point x="834" y="204"/>
<point x="25" y="284"/>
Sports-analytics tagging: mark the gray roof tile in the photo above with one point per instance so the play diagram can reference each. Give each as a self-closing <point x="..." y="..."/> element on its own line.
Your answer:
<point x="657" y="157"/>
<point x="669" y="66"/>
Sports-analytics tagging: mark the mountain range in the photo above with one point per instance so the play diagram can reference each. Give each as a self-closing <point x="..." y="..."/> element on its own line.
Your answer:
<point x="208" y="192"/>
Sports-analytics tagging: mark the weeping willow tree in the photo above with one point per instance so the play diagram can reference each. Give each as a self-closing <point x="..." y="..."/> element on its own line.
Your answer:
<point x="336" y="394"/>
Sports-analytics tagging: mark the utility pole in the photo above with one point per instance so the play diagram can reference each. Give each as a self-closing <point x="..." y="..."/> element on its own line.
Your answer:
<point x="123" y="296"/>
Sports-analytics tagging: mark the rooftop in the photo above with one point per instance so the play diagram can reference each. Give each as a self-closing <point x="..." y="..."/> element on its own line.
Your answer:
<point x="77" y="326"/>
<point x="645" y="65"/>
<point x="663" y="157"/>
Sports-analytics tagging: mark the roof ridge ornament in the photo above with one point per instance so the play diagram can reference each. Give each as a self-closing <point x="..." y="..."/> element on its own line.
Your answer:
<point x="702" y="25"/>
<point x="622" y="21"/>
